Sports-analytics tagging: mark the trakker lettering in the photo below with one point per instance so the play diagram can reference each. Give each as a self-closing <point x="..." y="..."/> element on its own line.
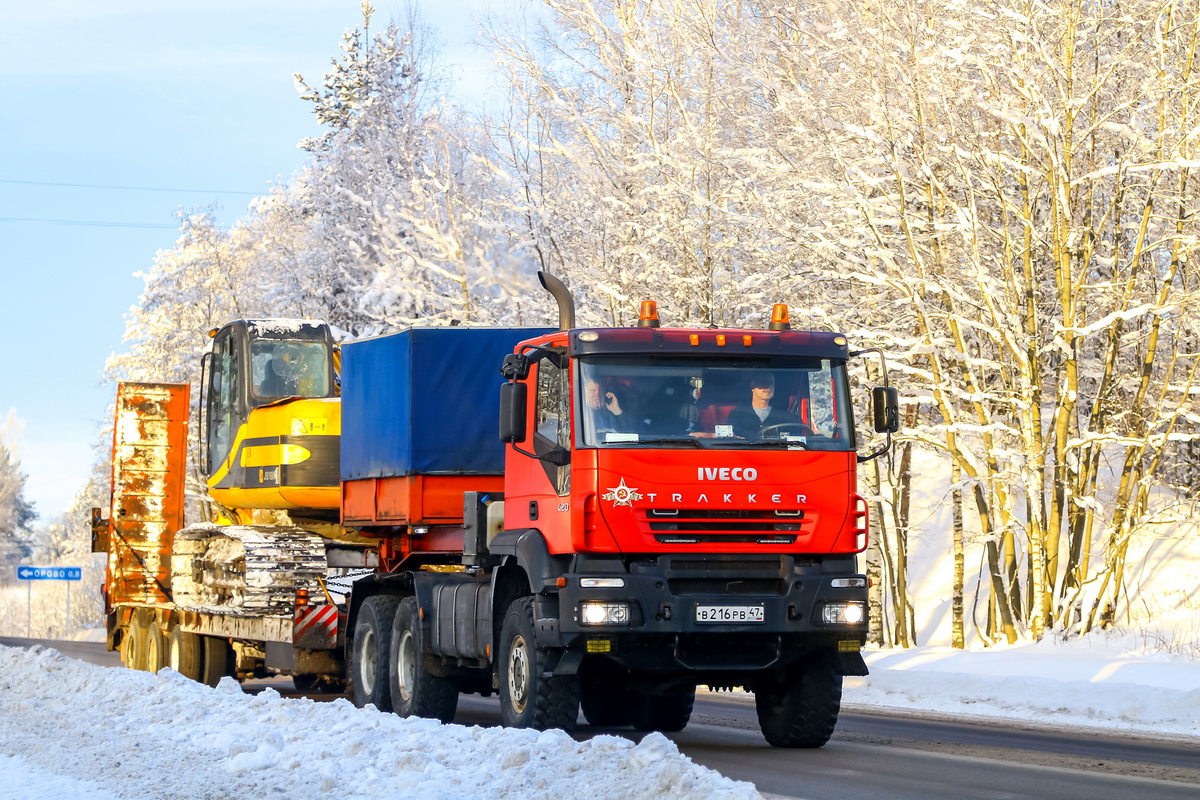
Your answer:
<point x="726" y="474"/>
<point x="703" y="497"/>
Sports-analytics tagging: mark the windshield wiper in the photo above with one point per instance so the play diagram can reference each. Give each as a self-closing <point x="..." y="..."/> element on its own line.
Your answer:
<point x="684" y="440"/>
<point x="757" y="443"/>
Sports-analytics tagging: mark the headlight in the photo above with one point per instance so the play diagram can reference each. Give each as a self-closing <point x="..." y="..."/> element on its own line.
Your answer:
<point x="592" y="613"/>
<point x="843" y="613"/>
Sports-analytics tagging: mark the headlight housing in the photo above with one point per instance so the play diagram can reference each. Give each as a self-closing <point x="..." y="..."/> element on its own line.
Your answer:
<point x="843" y="613"/>
<point x="593" y="612"/>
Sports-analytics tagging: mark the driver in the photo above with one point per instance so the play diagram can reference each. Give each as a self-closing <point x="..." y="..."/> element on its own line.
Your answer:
<point x="606" y="410"/>
<point x="749" y="420"/>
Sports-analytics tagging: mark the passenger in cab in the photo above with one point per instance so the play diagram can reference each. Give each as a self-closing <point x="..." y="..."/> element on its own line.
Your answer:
<point x="749" y="421"/>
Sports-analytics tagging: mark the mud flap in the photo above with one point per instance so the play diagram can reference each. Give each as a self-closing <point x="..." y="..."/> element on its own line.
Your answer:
<point x="850" y="664"/>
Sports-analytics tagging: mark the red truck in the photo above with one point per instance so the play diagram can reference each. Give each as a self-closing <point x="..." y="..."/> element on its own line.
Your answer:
<point x="641" y="525"/>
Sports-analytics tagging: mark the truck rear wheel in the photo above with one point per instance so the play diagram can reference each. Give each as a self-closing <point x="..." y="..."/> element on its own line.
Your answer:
<point x="799" y="707"/>
<point x="664" y="712"/>
<point x="528" y="697"/>
<point x="183" y="652"/>
<point x="415" y="692"/>
<point x="369" y="654"/>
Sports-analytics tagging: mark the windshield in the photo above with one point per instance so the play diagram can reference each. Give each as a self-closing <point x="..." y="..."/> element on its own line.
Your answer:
<point x="289" y="369"/>
<point x="709" y="401"/>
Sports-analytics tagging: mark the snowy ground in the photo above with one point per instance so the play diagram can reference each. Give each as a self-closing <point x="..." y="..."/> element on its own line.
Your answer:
<point x="65" y="727"/>
<point x="1108" y="683"/>
<point x="64" y="723"/>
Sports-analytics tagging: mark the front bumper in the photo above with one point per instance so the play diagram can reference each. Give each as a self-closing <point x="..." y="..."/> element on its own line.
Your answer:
<point x="768" y="611"/>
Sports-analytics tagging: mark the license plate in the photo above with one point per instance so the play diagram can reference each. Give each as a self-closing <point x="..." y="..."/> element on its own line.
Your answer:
<point x="706" y="613"/>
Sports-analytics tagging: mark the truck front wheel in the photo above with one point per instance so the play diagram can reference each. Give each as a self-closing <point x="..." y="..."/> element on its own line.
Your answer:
<point x="415" y="692"/>
<point x="799" y="707"/>
<point x="369" y="655"/>
<point x="529" y="698"/>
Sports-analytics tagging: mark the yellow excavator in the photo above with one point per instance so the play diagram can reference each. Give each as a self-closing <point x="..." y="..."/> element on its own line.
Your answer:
<point x="271" y="417"/>
<point x="272" y="420"/>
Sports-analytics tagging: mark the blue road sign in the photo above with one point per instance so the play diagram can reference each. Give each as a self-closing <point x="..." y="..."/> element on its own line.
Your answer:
<point x="49" y="573"/>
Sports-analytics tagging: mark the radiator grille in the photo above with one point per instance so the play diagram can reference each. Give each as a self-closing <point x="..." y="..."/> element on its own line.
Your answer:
<point x="717" y="526"/>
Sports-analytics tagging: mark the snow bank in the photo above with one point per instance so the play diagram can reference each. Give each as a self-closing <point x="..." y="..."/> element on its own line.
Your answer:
<point x="103" y="733"/>
<point x="1112" y="685"/>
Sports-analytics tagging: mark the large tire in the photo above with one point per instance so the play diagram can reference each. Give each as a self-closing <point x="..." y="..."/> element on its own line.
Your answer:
<point x="369" y="652"/>
<point x="216" y="659"/>
<point x="415" y="692"/>
<point x="183" y="652"/>
<point x="799" y="708"/>
<point x="604" y="700"/>
<point x="156" y="647"/>
<point x="529" y="698"/>
<point x="665" y="712"/>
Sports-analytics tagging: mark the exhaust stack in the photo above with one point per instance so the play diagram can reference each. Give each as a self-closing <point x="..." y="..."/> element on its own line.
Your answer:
<point x="562" y="295"/>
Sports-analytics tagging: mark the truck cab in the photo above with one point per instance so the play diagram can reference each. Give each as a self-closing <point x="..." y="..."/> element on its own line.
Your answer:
<point x="682" y="504"/>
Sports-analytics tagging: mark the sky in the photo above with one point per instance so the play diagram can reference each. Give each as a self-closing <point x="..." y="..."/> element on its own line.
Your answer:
<point x="117" y="116"/>
<point x="261" y="745"/>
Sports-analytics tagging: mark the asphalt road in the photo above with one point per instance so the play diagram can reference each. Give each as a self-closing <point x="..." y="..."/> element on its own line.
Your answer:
<point x="876" y="755"/>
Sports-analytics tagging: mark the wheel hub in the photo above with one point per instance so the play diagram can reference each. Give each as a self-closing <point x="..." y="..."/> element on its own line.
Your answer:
<point x="367" y="657"/>
<point x="406" y="665"/>
<point x="518" y="674"/>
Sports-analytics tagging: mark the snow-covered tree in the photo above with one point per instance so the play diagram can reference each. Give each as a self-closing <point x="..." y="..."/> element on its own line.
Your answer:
<point x="16" y="512"/>
<point x="635" y="150"/>
<point x="1010" y="185"/>
<point x="998" y="196"/>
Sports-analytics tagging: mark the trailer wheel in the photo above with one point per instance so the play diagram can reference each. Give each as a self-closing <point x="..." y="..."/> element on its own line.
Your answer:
<point x="415" y="692"/>
<point x="133" y="644"/>
<point x="799" y="708"/>
<point x="156" y="647"/>
<point x="369" y="653"/>
<point x="665" y="712"/>
<point x="529" y="698"/>
<point x="183" y="652"/>
<point x="215" y="657"/>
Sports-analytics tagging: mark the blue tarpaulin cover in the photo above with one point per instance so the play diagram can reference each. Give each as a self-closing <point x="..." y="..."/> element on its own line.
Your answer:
<point x="425" y="401"/>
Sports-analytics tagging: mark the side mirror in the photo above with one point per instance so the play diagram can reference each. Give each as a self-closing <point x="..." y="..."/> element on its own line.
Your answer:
<point x="885" y="401"/>
<point x="513" y="397"/>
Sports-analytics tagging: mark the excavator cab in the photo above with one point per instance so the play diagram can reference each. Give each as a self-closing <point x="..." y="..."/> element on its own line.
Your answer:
<point x="272" y="417"/>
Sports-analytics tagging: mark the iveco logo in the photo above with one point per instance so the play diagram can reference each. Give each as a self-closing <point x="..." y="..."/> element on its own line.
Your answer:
<point x="726" y="474"/>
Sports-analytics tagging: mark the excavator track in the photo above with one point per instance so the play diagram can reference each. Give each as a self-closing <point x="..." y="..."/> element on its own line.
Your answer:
<point x="245" y="570"/>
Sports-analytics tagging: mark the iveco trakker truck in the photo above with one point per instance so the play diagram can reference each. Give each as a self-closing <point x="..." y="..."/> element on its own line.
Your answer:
<point x="588" y="518"/>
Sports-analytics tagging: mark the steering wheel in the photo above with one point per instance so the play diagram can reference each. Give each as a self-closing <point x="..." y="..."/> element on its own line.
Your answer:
<point x="786" y="427"/>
